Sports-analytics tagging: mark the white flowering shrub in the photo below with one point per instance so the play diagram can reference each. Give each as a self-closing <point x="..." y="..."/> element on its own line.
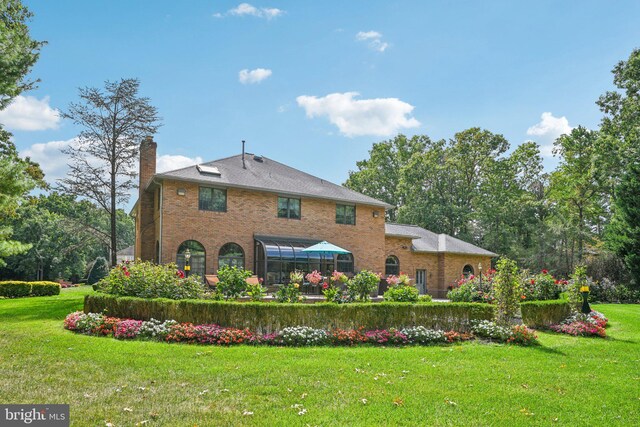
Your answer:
<point x="422" y="335"/>
<point x="303" y="336"/>
<point x="155" y="328"/>
<point x="487" y="329"/>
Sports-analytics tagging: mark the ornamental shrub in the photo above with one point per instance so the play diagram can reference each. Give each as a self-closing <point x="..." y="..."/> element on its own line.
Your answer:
<point x="425" y="298"/>
<point x="507" y="289"/>
<point x="521" y="335"/>
<point x="288" y="293"/>
<point x="362" y="284"/>
<point x="99" y="270"/>
<point x="19" y="289"/>
<point x="402" y="293"/>
<point x="303" y="336"/>
<point x="233" y="281"/>
<point x="474" y="288"/>
<point x="541" y="287"/>
<point x="256" y="291"/>
<point x="147" y="280"/>
<point x="578" y="280"/>
<point x="422" y="335"/>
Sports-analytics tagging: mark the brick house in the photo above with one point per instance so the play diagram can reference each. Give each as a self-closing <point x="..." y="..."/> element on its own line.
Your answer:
<point x="254" y="212"/>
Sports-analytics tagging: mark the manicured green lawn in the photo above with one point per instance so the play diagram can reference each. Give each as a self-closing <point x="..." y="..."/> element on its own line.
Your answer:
<point x="566" y="381"/>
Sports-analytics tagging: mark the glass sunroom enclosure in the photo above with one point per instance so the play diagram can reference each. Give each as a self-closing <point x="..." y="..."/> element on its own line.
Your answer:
<point x="275" y="258"/>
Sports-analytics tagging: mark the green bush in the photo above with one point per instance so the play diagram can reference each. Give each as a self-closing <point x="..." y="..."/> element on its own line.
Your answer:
<point x="362" y="284"/>
<point x="402" y="293"/>
<point x="99" y="270"/>
<point x="537" y="314"/>
<point x="147" y="280"/>
<point x="45" y="289"/>
<point x="425" y="298"/>
<point x="271" y="317"/>
<point x="507" y="289"/>
<point x="232" y="281"/>
<point x="19" y="289"/>
<point x="474" y="288"/>
<point x="541" y="287"/>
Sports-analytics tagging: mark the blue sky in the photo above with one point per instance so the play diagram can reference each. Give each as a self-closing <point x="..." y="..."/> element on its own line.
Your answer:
<point x="417" y="67"/>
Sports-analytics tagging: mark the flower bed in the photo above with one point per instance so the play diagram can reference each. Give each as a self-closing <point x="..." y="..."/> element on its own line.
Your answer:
<point x="583" y="325"/>
<point x="295" y="336"/>
<point x="273" y="317"/>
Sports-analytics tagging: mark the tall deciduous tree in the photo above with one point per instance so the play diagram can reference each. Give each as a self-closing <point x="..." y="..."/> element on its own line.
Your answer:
<point x="379" y="175"/>
<point x="575" y="187"/>
<point x="102" y="161"/>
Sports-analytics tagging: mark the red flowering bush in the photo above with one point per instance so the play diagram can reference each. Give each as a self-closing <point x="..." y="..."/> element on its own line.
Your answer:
<point x="474" y="288"/>
<point x="542" y="286"/>
<point x="148" y="280"/>
<point x="182" y="332"/>
<point x="347" y="336"/>
<point x="108" y="326"/>
<point x="521" y="335"/>
<point x="453" y="336"/>
<point x="214" y="334"/>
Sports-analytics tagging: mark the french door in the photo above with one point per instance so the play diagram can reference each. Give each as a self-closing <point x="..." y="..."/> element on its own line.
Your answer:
<point x="421" y="281"/>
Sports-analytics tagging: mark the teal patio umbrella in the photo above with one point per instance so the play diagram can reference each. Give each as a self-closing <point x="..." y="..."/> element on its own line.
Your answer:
<point x="327" y="248"/>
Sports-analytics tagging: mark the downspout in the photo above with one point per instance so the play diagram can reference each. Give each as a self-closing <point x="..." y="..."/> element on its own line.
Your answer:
<point x="160" y="209"/>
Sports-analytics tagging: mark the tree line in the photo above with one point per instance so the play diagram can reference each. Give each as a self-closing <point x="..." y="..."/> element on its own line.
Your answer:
<point x="475" y="187"/>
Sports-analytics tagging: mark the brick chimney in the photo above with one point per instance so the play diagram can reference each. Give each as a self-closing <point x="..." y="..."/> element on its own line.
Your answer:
<point x="146" y="234"/>
<point x="147" y="161"/>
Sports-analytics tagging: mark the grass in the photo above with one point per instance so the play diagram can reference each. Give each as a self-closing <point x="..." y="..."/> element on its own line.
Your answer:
<point x="565" y="381"/>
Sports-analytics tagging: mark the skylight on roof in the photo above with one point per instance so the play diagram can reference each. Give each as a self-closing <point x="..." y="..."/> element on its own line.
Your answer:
<point x="209" y="170"/>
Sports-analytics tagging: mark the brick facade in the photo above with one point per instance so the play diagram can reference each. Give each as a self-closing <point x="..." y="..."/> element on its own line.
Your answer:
<point x="167" y="214"/>
<point x="442" y="269"/>
<point x="252" y="213"/>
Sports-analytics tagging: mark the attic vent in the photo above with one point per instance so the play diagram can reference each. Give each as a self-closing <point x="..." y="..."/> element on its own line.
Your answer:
<point x="209" y="170"/>
<point x="257" y="158"/>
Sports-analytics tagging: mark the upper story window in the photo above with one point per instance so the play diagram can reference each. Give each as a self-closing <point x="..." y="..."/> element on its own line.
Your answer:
<point x="288" y="208"/>
<point x="346" y="214"/>
<point x="212" y="199"/>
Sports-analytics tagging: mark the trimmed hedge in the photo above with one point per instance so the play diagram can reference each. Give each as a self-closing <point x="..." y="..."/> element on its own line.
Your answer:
<point x="18" y="289"/>
<point x="263" y="317"/>
<point x="544" y="313"/>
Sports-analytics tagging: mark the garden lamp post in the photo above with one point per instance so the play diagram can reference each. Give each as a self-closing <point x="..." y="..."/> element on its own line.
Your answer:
<point x="480" y="273"/>
<point x="187" y="257"/>
<point x="584" y="290"/>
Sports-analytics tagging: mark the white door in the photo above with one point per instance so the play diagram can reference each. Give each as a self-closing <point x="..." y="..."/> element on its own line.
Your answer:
<point x="421" y="281"/>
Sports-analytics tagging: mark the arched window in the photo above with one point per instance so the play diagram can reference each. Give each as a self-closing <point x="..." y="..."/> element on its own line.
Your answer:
<point x="231" y="254"/>
<point x="345" y="263"/>
<point x="392" y="266"/>
<point x="467" y="270"/>
<point x="197" y="259"/>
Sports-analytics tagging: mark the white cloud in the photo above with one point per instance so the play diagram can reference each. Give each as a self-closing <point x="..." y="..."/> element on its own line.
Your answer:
<point x="373" y="40"/>
<point x="246" y="9"/>
<point x="548" y="130"/>
<point x="253" y="76"/>
<point x="30" y="113"/>
<point x="168" y="162"/>
<point x="54" y="163"/>
<point x="356" y="117"/>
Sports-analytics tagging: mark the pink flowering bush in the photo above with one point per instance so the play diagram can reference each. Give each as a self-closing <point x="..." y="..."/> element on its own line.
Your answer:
<point x="314" y="277"/>
<point x="584" y="325"/>
<point x="71" y="321"/>
<point x="386" y="336"/>
<point x="127" y="329"/>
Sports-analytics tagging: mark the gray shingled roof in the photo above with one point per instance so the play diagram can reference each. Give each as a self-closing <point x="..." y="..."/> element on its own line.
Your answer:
<point x="428" y="241"/>
<point x="269" y="175"/>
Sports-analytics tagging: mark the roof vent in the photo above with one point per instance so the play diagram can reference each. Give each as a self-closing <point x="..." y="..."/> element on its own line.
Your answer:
<point x="208" y="170"/>
<point x="257" y="158"/>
